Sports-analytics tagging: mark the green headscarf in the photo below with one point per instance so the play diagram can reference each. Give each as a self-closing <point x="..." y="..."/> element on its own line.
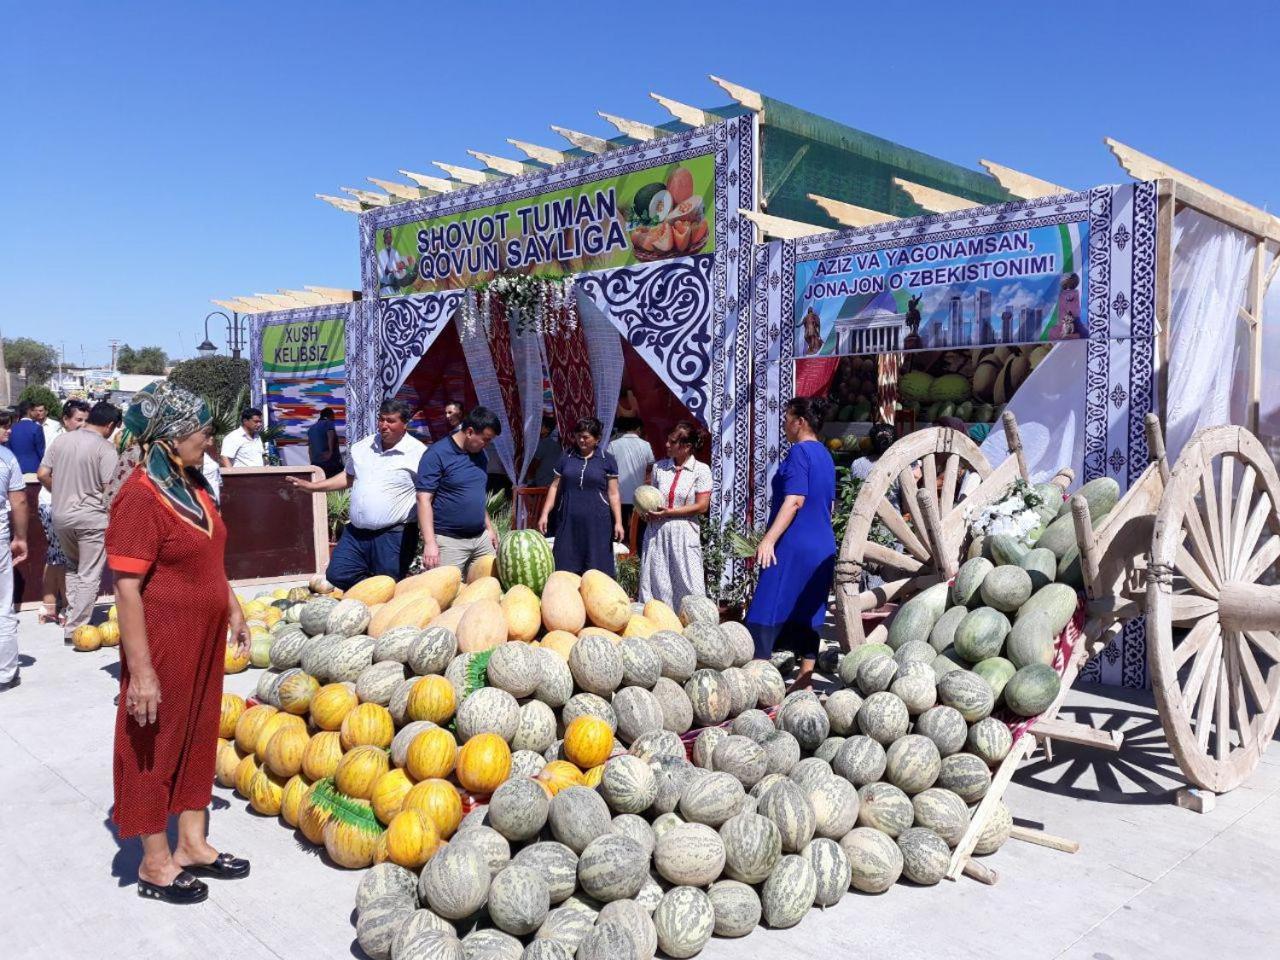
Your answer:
<point x="161" y="413"/>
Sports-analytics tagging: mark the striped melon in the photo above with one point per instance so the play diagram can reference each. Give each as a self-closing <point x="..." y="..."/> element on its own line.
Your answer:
<point x="913" y="650"/>
<point x="883" y="717"/>
<point x="966" y="775"/>
<point x="752" y="847"/>
<point x="492" y="845"/>
<point x="789" y="892"/>
<point x="1030" y="641"/>
<point x="835" y="807"/>
<point x="770" y="687"/>
<point x="996" y="832"/>
<point x="555" y="680"/>
<point x="741" y="758"/>
<point x="524" y="557"/>
<point x="518" y="809"/>
<point x="628" y="784"/>
<point x="710" y="644"/>
<point x="925" y="855"/>
<point x="968" y="693"/>
<point x="875" y="862"/>
<point x="916" y="686"/>
<point x="662" y="823"/>
<point x="577" y="816"/>
<point x="842" y="708"/>
<point x="482" y="626"/>
<point x="427" y="944"/>
<point x="831" y="869"/>
<point x="754" y="725"/>
<point x="536" y="730"/>
<point x="315" y="615"/>
<point x="359" y="769"/>
<point x="555" y="863"/>
<point x="689" y="853"/>
<point x="487" y="943"/>
<point x="860" y="760"/>
<point x="638" y="829"/>
<point x="876" y="674"/>
<point x="704" y="746"/>
<point x="851" y="661"/>
<point x="377" y="924"/>
<point x="912" y="763"/>
<point x="742" y="690"/>
<point x="709" y="695"/>
<point x="964" y="591"/>
<point x="712" y="799"/>
<point x="296" y="691"/>
<point x="455" y="882"/>
<point x="526" y="763"/>
<point x="286" y="649"/>
<point x="641" y="664"/>
<point x="387" y="881"/>
<point x="990" y="739"/>
<point x="787" y="806"/>
<point x="670" y="773"/>
<point x="596" y="665"/>
<point x="697" y="609"/>
<point x="607" y="940"/>
<point x="569" y="924"/>
<point x="997" y="671"/>
<point x="1032" y="690"/>
<point x="432" y="651"/>
<point x="488" y="710"/>
<point x="806" y="720"/>
<point x="612" y="867"/>
<point x="829" y="747"/>
<point x="684" y="920"/>
<point x="916" y="617"/>
<point x="740" y="639"/>
<point x="810" y="771"/>
<point x="945" y="727"/>
<point x="348" y="618"/>
<point x="315" y="655"/>
<point x="519" y="900"/>
<point x="378" y="682"/>
<point x="348" y="658"/>
<point x="981" y="633"/>
<point x="943" y="812"/>
<point x="737" y="908"/>
<point x="588" y="705"/>
<point x="638" y="712"/>
<point x="515" y="668"/>
<point x="781" y="752"/>
<point x="395" y="644"/>
<point x="679" y="659"/>
<point x="884" y="807"/>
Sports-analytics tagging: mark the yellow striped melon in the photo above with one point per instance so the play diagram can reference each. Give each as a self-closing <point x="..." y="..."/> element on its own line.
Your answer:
<point x="228" y="759"/>
<point x="266" y="792"/>
<point x="283" y="754"/>
<point x="291" y="799"/>
<point x="388" y="794"/>
<point x="432" y="755"/>
<point x="320" y="759"/>
<point x="440" y="801"/>
<point x="232" y="706"/>
<point x="359" y="769"/>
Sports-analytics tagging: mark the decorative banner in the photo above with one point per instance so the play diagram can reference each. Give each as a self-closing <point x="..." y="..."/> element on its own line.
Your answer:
<point x="312" y="348"/>
<point x="651" y="213"/>
<point x="992" y="285"/>
<point x="295" y="404"/>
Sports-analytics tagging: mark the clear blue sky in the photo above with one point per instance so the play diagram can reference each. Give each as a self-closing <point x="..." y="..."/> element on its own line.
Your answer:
<point x="156" y="155"/>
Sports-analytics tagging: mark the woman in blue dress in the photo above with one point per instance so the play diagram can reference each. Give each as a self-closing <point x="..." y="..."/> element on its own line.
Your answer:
<point x="590" y="516"/>
<point x="797" y="556"/>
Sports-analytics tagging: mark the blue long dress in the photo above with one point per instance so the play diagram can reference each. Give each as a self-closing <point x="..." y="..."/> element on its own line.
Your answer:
<point x="584" y="520"/>
<point x="790" y="601"/>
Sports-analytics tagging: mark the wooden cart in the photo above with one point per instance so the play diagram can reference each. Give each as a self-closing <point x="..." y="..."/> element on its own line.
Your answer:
<point x="1193" y="549"/>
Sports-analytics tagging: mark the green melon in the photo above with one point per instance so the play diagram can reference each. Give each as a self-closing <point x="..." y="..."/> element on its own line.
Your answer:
<point x="638" y="829"/>
<point x="917" y="687"/>
<point x="1102" y="495"/>
<point x="754" y="725"/>
<point x="1051" y="494"/>
<point x="996" y="832"/>
<point x="488" y="710"/>
<point x="711" y="645"/>
<point x="348" y="658"/>
<point x="925" y="855"/>
<point x="990" y="739"/>
<point x="641" y="664"/>
<point x="1030" y="641"/>
<point x="943" y="812"/>
<point x="1032" y="689"/>
<point x="968" y="693"/>
<point x="490" y="944"/>
<point x="860" y="760"/>
<point x="964" y="592"/>
<point x="912" y="763"/>
<point x="830" y="868"/>
<point x="638" y="712"/>
<point x="1068" y="569"/>
<point x="885" y="807"/>
<point x="789" y="892"/>
<point x="628" y="784"/>
<point x="737" y="908"/>
<point x="396" y="644"/>
<point x="1041" y="566"/>
<point x="852" y="660"/>
<point x="809" y="772"/>
<point x="915" y="618"/>
<point x="981" y="634"/>
<point x="524" y="556"/>
<point x="1057" y="602"/>
<point x="965" y="775"/>
<point x="884" y="717"/>
<point x="315" y="614"/>
<point x="379" y="681"/>
<point x="875" y="861"/>
<point x="914" y="651"/>
<point x="752" y="847"/>
<point x="569" y="924"/>
<point x="1006" y="549"/>
<point x="260" y="650"/>
<point x="1059" y="536"/>
<point x="677" y="711"/>
<point x="997" y="671"/>
<point x="1006" y="588"/>
<point x="684" y="920"/>
<point x="915" y="385"/>
<point x="689" y="853"/>
<point x="612" y="867"/>
<point x="944" y="631"/>
<point x="947" y="661"/>
<point x="945" y="727"/>
<point x="515" y="668"/>
<point x="829" y="747"/>
<point x="806" y="720"/>
<point x="519" y="899"/>
<point x="589" y="705"/>
<point x="432" y="651"/>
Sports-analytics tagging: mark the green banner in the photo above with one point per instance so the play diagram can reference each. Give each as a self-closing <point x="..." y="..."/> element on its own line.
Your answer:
<point x="651" y="214"/>
<point x="315" y="348"/>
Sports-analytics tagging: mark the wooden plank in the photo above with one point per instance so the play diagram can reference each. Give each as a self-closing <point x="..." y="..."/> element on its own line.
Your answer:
<point x="1042" y="839"/>
<point x="342" y="203"/>
<point x="950" y="477"/>
<point x="1235" y="685"/>
<point x="1253" y="529"/>
<point x="547" y="155"/>
<point x="1022" y="184"/>
<point x="512" y="168"/>
<point x="1257" y="297"/>
<point x="306" y="297"/>
<point x="878" y="553"/>
<point x="782" y="228"/>
<point x="1209" y="490"/>
<point x="1265" y="641"/>
<point x="935" y="201"/>
<point x="743" y="95"/>
<point x="336" y="294"/>
<point x="1070" y="731"/>
<point x="898" y="527"/>
<point x="462" y="174"/>
<point x="1186" y="607"/>
<point x="404" y="191"/>
<point x="1208" y="654"/>
<point x="369" y="197"/>
<point x="893" y="590"/>
<point x="850" y="214"/>
<point x="634" y="129"/>
<point x="694" y="116"/>
<point x="429" y="182"/>
<point x="583" y="141"/>
<point x="1194" y="573"/>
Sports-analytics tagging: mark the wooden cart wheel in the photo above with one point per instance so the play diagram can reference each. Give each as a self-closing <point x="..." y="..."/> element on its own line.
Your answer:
<point x="945" y="457"/>
<point x="1213" y="641"/>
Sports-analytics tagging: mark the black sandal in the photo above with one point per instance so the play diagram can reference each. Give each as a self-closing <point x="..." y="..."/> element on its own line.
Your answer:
<point x="184" y="889"/>
<point x="225" y="866"/>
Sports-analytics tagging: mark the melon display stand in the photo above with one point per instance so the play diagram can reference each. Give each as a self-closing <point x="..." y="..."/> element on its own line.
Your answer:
<point x="1185" y="547"/>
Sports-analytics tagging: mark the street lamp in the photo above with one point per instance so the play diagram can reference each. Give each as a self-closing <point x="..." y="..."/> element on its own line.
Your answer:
<point x="235" y="335"/>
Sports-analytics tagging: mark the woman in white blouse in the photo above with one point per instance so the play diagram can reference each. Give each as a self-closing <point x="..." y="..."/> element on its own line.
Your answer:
<point x="671" y="558"/>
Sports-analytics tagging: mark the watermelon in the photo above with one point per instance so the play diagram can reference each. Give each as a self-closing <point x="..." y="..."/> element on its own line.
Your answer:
<point x="1032" y="689"/>
<point x="964" y="592"/>
<point x="1057" y="602"/>
<point x="1006" y="549"/>
<point x="875" y="861"/>
<point x="996" y="671"/>
<point x="1006" y="588"/>
<point x="944" y="631"/>
<point x="1041" y="565"/>
<point x="524" y="556"/>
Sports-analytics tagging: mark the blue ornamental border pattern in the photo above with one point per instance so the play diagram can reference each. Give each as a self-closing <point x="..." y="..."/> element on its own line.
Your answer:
<point x="258" y="323"/>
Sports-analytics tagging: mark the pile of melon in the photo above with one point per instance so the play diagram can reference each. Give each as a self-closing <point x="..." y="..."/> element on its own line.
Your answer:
<point x="266" y="614"/>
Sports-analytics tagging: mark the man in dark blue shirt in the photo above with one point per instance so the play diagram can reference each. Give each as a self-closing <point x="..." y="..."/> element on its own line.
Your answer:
<point x="26" y="441"/>
<point x="456" y="528"/>
<point x="322" y="439"/>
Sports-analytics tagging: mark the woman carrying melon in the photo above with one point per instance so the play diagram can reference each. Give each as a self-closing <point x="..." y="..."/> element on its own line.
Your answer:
<point x="586" y="486"/>
<point x="165" y="545"/>
<point x="797" y="556"/>
<point x="671" y="561"/>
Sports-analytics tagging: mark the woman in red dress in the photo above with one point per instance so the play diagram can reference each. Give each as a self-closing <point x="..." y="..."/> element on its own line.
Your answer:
<point x="165" y="545"/>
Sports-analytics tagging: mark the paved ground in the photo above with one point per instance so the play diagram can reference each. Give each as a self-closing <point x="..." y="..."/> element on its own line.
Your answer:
<point x="1150" y="880"/>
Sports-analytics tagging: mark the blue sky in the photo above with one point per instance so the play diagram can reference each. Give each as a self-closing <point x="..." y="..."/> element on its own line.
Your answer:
<point x="156" y="155"/>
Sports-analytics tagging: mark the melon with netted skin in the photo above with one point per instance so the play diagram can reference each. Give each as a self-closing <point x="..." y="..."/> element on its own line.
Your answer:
<point x="789" y="892"/>
<point x="875" y="861"/>
<point x="647" y="498"/>
<point x="685" y="920"/>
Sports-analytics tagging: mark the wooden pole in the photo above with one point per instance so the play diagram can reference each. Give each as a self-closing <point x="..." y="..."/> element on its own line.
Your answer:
<point x="1040" y="838"/>
<point x="1257" y="293"/>
<point x="1166" y="204"/>
<point x="1013" y="439"/>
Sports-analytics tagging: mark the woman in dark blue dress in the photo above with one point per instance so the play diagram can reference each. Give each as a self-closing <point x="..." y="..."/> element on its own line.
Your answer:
<point x="797" y="556"/>
<point x="590" y="516"/>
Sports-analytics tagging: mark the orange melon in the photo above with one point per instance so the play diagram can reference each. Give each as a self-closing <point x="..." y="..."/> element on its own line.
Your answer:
<point x="408" y="610"/>
<point x="484" y="588"/>
<point x="368" y="724"/>
<point x="291" y="800"/>
<point x="562" y="607"/>
<point x="331" y="704"/>
<point x="482" y="626"/>
<point x="372" y="590"/>
<point x="388" y="794"/>
<point x="321" y="757"/>
<point x="250" y="725"/>
<point x="558" y="774"/>
<point x="662" y="616"/>
<point x="228" y="759"/>
<point x="359" y="769"/>
<point x="431" y="698"/>
<point x="588" y="741"/>
<point x="411" y="839"/>
<point x="432" y="755"/>
<point x="440" y="801"/>
<point x="441" y="582"/>
<point x="607" y="604"/>
<point x="450" y="618"/>
<point x="484" y="763"/>
<point x="523" y="611"/>
<point x="481" y="567"/>
<point x="561" y="641"/>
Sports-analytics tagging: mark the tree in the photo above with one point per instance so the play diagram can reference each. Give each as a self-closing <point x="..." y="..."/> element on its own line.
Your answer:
<point x="37" y="359"/>
<point x="42" y="395"/>
<point x="143" y="360"/>
<point x="217" y="379"/>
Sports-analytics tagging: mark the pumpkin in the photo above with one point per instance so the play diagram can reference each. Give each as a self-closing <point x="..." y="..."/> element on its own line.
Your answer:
<point x="431" y="755"/>
<point x="284" y="751"/>
<point x="359" y="769"/>
<point x="371" y="590"/>
<point x="409" y="610"/>
<point x="484" y="763"/>
<point x="232" y="706"/>
<point x="559" y="774"/>
<point x="320" y="758"/>
<point x="331" y="704"/>
<point x="482" y="625"/>
<point x="523" y="612"/>
<point x="588" y="742"/>
<point x="110" y="633"/>
<point x="369" y="723"/>
<point x="243" y="777"/>
<point x="439" y="800"/>
<point x="291" y="799"/>
<point x="411" y="839"/>
<point x="266" y="792"/>
<point x="432" y="698"/>
<point x="388" y="794"/>
<point x="562" y="605"/>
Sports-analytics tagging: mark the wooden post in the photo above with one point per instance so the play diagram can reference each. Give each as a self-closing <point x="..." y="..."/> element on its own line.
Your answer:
<point x="1155" y="445"/>
<point x="1089" y="559"/>
<point x="944" y="560"/>
<point x="1257" y="293"/>
<point x="1014" y="441"/>
<point x="1166" y="204"/>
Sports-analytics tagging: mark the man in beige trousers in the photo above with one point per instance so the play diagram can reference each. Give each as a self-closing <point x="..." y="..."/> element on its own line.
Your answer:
<point x="77" y="469"/>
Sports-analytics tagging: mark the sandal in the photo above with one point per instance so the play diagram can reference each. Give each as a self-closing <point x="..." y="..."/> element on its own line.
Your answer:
<point x="184" y="889"/>
<point x="225" y="866"/>
<point x="49" y="614"/>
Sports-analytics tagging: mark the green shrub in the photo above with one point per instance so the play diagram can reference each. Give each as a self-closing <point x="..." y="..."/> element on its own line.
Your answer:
<point x="37" y="394"/>
<point x="217" y="379"/>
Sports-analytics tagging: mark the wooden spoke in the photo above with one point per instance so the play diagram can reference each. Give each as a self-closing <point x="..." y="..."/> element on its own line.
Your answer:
<point x="1235" y="685"/>
<point x="899" y="527"/>
<point x="1200" y="669"/>
<point x="1188" y="607"/>
<point x="1225" y="505"/>
<point x="1195" y="574"/>
<point x="1222" y="725"/>
<point x="1248" y="665"/>
<point x="885" y="556"/>
<point x="1194" y="526"/>
<point x="1208" y="699"/>
<point x="909" y="495"/>
<point x="1194" y="641"/>
<point x="1266" y="641"/>
<point x="950" y="481"/>
<point x="1244" y="501"/>
<point x="1252" y="530"/>
<point x="1262" y="560"/>
<point x="929" y="473"/>
<point x="1211" y="514"/>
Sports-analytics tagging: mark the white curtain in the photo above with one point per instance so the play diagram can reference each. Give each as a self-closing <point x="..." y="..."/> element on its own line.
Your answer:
<point x="1208" y="356"/>
<point x="604" y="347"/>
<point x="1269" y="415"/>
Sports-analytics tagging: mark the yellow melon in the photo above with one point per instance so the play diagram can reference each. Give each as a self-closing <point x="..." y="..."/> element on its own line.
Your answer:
<point x="283" y="754"/>
<point x="561" y="641"/>
<point x="321" y="757"/>
<point x="272" y="616"/>
<point x="373" y="590"/>
<point x="368" y="724"/>
<point x="250" y="725"/>
<point x="593" y="776"/>
<point x="291" y="800"/>
<point x="113" y="614"/>
<point x="359" y="769"/>
<point x="232" y="707"/>
<point x="485" y="588"/>
<point x="312" y="816"/>
<point x="431" y="698"/>
<point x="484" y="763"/>
<point x="562" y="606"/>
<point x="351" y="844"/>
<point x="245" y="771"/>
<point x="450" y="618"/>
<point x="588" y="741"/>
<point x="388" y="794"/>
<point x="440" y="801"/>
<point x="86" y="638"/>
<point x="229" y="757"/>
<point x="411" y="839"/>
<point x="432" y="755"/>
<point x="607" y="604"/>
<point x="266" y="792"/>
<point x="523" y="612"/>
<point x="600" y="632"/>
<point x="558" y="774"/>
<point x="662" y="616"/>
<point x="110" y="633"/>
<point x="331" y="704"/>
<point x="640" y="626"/>
<point x="275" y="723"/>
<point x="481" y="567"/>
<point x="573" y="579"/>
<point x="408" y="610"/>
<point x="233" y="659"/>
<point x="482" y="626"/>
<point x="442" y="583"/>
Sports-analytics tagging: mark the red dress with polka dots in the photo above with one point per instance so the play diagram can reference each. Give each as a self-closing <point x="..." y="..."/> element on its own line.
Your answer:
<point x="167" y="767"/>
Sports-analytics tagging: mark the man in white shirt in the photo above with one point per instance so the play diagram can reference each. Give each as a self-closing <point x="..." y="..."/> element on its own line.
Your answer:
<point x="634" y="456"/>
<point x="392" y="264"/>
<point x="381" y="471"/>
<point x="243" y="447"/>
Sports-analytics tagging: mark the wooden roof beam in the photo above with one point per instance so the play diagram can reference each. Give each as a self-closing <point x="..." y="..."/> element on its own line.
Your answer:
<point x="335" y="294"/>
<point x="849" y="214"/>
<point x="368" y="197"/>
<point x="512" y="168"/>
<point x="235" y="306"/>
<point x="1196" y="193"/>
<point x="584" y="141"/>
<point x="466" y="175"/>
<point x="744" y="96"/>
<point x="634" y="128"/>
<point x="1020" y="184"/>
<point x="404" y="191"/>
<point x="694" y="116"/>
<point x="781" y="228"/>
<point x="257" y="305"/>
<point x="545" y="155"/>
<point x="935" y="201"/>
<point x="430" y="184"/>
<point x="279" y="301"/>
<point x="342" y="203"/>
<point x="306" y="298"/>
